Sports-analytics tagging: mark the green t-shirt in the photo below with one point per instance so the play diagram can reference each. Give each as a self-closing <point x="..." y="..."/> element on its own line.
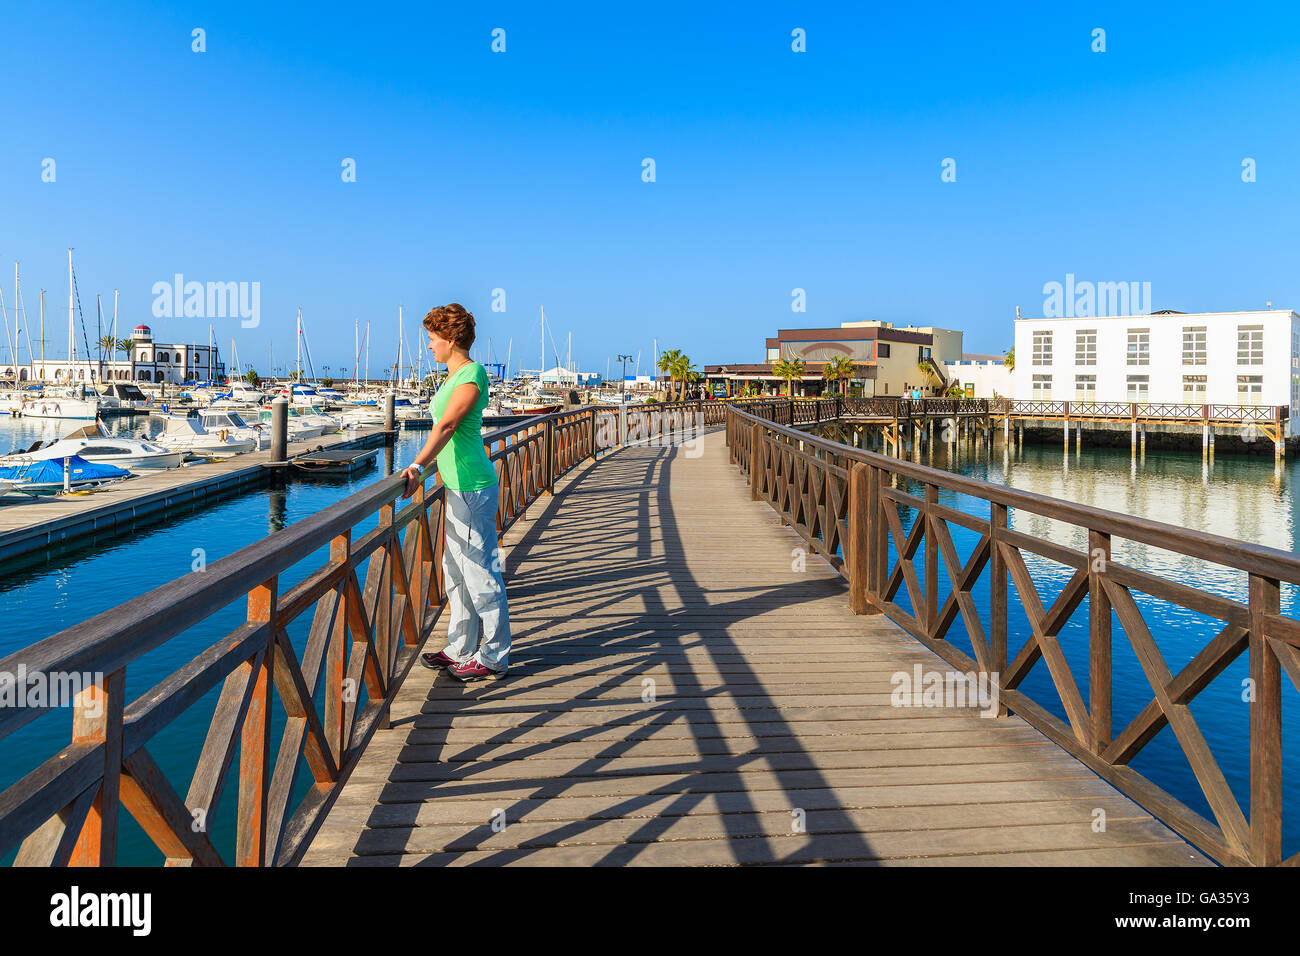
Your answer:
<point x="463" y="463"/>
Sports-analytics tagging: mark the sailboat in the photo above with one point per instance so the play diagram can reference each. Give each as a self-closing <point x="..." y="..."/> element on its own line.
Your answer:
<point x="70" y="401"/>
<point x="533" y="400"/>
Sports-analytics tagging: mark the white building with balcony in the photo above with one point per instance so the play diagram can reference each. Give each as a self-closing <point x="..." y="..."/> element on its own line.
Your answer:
<point x="1187" y="358"/>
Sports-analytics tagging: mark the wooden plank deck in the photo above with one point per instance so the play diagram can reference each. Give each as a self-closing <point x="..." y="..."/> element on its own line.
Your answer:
<point x="679" y="694"/>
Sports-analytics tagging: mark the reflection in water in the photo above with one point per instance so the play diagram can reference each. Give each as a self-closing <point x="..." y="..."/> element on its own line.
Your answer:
<point x="277" y="510"/>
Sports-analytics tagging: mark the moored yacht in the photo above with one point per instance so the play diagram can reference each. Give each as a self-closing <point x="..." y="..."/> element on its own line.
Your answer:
<point x="94" y="446"/>
<point x="189" y="436"/>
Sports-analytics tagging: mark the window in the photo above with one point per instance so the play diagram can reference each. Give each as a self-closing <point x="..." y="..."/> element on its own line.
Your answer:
<point x="1194" y="345"/>
<point x="882" y="350"/>
<point x="923" y="352"/>
<point x="1085" y="388"/>
<point x="1193" y="388"/>
<point x="162" y="357"/>
<point x="1042" y="388"/>
<point x="1250" y="345"/>
<point x="1139" y="346"/>
<point x="1085" y="347"/>
<point x="1042" y="349"/>
<point x="1138" y="387"/>
<point x="1250" y="389"/>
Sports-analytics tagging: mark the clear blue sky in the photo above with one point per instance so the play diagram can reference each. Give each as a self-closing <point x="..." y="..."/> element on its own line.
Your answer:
<point x="522" y="170"/>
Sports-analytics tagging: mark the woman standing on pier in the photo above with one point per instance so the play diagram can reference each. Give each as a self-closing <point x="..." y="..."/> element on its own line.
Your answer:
<point x="476" y="593"/>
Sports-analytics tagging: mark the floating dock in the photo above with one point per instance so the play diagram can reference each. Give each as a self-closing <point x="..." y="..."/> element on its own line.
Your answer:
<point x="334" y="461"/>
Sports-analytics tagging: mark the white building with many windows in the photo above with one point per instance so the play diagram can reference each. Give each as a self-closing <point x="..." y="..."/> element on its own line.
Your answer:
<point x="1189" y="358"/>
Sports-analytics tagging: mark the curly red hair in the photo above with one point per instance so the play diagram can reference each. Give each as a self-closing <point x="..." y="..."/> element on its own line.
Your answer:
<point x="453" y="322"/>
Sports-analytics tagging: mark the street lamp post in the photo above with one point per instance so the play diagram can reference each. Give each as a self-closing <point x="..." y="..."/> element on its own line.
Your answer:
<point x="622" y="382"/>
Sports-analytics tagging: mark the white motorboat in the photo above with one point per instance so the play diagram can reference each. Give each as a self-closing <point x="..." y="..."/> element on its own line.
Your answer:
<point x="94" y="446"/>
<point x="241" y="395"/>
<point x="188" y="435"/>
<point x="362" y="417"/>
<point x="125" y="395"/>
<point x="300" y="427"/>
<point x="229" y="420"/>
<point x="315" y="415"/>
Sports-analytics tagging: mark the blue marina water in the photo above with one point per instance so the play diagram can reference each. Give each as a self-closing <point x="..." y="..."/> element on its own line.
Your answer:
<point x="1240" y="497"/>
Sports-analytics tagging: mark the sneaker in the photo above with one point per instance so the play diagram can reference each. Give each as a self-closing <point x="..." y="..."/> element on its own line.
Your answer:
<point x="437" y="661"/>
<point x="473" y="670"/>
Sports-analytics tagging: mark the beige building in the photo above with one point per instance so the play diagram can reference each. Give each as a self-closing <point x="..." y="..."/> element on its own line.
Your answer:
<point x="886" y="361"/>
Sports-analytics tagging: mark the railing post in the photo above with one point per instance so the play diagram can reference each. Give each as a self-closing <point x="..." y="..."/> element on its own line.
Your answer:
<point x="254" y="742"/>
<point x="335" y="666"/>
<point x="755" y="461"/>
<point x="857" y="550"/>
<point x="998" y="595"/>
<point x="1265" y="728"/>
<point x="549" y="461"/>
<point x="1099" y="642"/>
<point x="97" y="842"/>
<point x="591" y="433"/>
<point x="931" y="561"/>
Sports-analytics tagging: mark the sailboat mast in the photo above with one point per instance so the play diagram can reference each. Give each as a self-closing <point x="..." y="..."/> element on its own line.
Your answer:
<point x="397" y="376"/>
<point x="114" y="352"/>
<point x="72" y="342"/>
<point x="367" y="352"/>
<point x="16" y="340"/>
<point x="298" y="359"/>
<point x="541" y="367"/>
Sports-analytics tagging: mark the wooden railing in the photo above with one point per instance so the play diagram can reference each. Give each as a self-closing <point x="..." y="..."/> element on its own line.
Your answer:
<point x="1148" y="411"/>
<point x="846" y="504"/>
<point x="373" y="602"/>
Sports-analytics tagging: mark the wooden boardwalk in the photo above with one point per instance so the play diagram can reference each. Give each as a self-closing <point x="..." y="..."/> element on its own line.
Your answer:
<point x="681" y="694"/>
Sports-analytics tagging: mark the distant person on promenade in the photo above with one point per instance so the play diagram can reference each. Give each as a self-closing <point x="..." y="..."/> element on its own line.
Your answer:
<point x="476" y="593"/>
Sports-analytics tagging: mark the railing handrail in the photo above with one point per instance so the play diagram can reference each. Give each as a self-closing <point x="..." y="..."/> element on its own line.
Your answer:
<point x="1228" y="552"/>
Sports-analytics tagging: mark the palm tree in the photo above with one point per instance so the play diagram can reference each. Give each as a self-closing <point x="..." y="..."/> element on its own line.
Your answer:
<point x="666" y="360"/>
<point x="682" y="370"/>
<point x="1010" y="360"/>
<point x="840" y="367"/>
<point x="789" y="370"/>
<point x="927" y="367"/>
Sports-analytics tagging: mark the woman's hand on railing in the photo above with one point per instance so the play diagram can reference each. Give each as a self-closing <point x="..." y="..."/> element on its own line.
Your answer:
<point x="412" y="475"/>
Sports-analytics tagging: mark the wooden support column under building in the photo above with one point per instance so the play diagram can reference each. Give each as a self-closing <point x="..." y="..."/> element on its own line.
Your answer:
<point x="1078" y="437"/>
<point x="1142" y="439"/>
<point x="1067" y="435"/>
<point x="1205" y="442"/>
<point x="1133" y="438"/>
